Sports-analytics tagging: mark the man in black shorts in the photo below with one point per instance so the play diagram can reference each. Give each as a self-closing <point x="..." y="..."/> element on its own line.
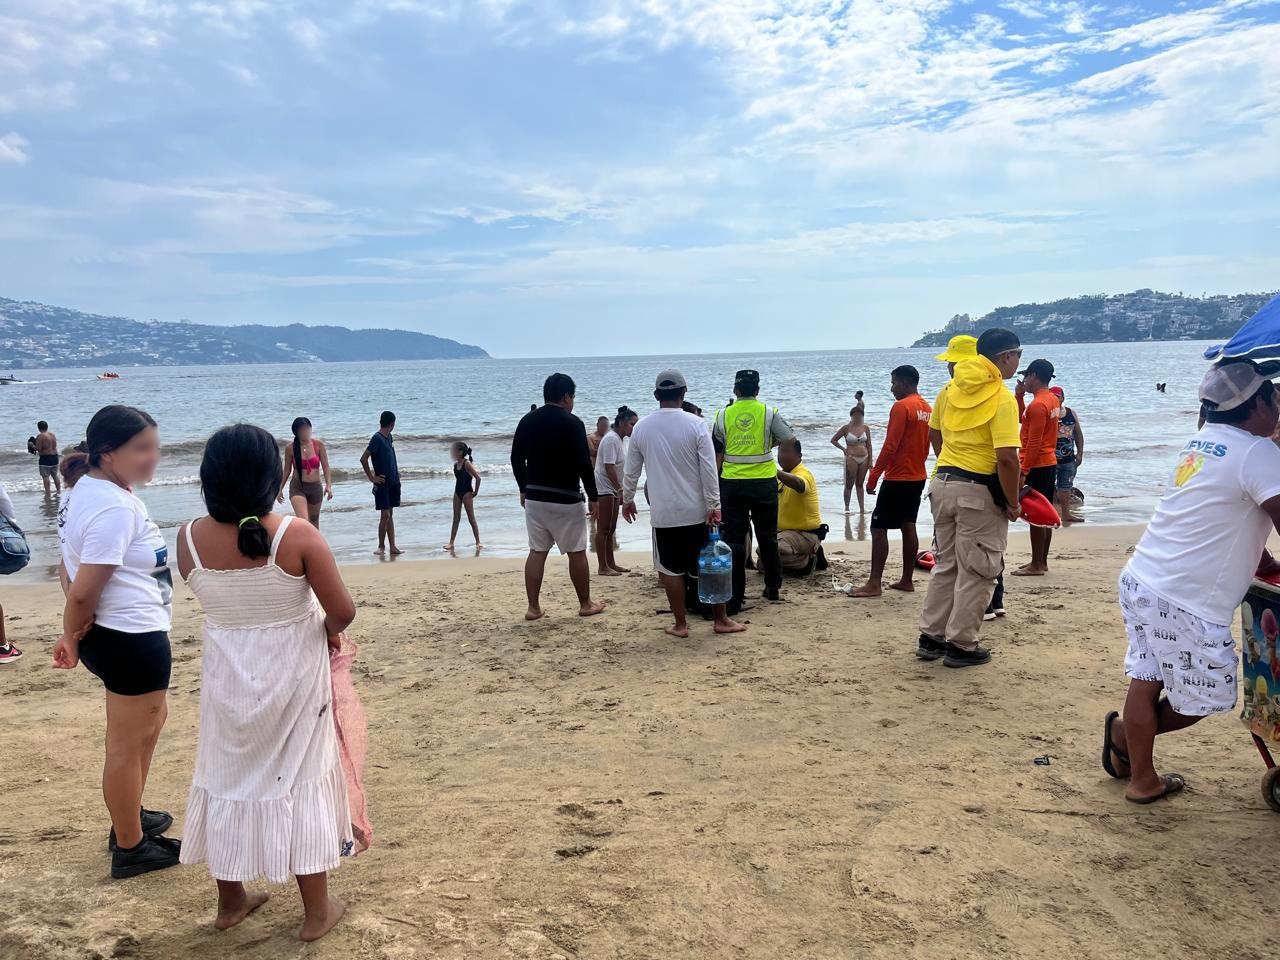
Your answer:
<point x="47" y="450"/>
<point x="1039" y="453"/>
<point x="673" y="448"/>
<point x="384" y="474"/>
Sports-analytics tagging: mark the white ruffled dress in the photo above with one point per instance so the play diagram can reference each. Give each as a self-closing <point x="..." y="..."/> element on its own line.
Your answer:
<point x="269" y="797"/>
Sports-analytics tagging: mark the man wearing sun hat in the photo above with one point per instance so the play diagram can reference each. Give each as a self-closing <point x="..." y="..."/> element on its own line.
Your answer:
<point x="1180" y="590"/>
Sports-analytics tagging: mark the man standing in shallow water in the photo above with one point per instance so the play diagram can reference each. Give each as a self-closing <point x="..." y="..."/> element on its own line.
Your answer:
<point x="385" y="477"/>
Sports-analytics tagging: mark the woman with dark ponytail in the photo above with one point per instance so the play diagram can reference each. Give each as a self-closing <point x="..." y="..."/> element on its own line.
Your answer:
<point x="609" y="468"/>
<point x="269" y="796"/>
<point x="464" y="496"/>
<point x="117" y="618"/>
<point x="306" y="462"/>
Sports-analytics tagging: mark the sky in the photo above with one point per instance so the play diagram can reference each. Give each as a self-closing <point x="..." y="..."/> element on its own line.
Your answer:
<point x="611" y="177"/>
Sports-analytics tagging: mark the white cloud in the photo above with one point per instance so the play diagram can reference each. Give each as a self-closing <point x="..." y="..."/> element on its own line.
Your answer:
<point x="13" y="148"/>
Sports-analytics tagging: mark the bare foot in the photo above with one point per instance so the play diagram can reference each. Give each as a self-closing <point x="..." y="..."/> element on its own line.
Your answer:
<point x="678" y="631"/>
<point x="449" y="547"/>
<point x="1030" y="571"/>
<point x="591" y="609"/>
<point x="534" y="613"/>
<point x="729" y="626"/>
<point x="396" y="551"/>
<point x="621" y="570"/>
<point x="906" y="586"/>
<point x="313" y="928"/>
<point x="228" y="917"/>
<point x="380" y="551"/>
<point x="606" y="572"/>
<point x="479" y="547"/>
<point x="866" y="590"/>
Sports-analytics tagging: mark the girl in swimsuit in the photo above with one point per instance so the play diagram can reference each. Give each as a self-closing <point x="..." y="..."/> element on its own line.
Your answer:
<point x="857" y="455"/>
<point x="305" y="460"/>
<point x="464" y="473"/>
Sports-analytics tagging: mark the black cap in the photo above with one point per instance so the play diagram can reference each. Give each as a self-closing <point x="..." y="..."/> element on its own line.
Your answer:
<point x="1040" y="369"/>
<point x="747" y="379"/>
<point x="996" y="341"/>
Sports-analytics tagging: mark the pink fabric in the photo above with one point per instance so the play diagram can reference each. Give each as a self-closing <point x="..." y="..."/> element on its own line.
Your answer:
<point x="353" y="738"/>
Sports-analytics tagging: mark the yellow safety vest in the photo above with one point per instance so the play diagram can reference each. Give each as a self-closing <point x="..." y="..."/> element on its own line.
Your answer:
<point x="747" y="426"/>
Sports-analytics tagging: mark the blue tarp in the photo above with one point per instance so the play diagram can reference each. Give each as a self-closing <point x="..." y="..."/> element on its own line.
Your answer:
<point x="1258" y="340"/>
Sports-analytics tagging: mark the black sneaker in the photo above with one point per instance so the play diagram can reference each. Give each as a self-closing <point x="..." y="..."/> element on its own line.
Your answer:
<point x="154" y="823"/>
<point x="772" y="594"/>
<point x="966" y="658"/>
<point x="153" y="853"/>
<point x="930" y="649"/>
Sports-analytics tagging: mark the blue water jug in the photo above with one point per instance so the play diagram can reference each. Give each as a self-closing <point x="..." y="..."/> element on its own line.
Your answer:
<point x="715" y="571"/>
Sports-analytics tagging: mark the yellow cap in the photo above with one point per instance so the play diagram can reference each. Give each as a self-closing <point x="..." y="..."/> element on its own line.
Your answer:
<point x="960" y="348"/>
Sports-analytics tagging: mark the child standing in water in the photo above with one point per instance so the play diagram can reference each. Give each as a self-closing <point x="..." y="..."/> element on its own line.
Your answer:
<point x="269" y="795"/>
<point x="464" y="494"/>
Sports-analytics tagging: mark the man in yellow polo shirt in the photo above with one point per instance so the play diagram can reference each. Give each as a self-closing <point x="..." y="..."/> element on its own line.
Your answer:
<point x="973" y="496"/>
<point x="799" y="514"/>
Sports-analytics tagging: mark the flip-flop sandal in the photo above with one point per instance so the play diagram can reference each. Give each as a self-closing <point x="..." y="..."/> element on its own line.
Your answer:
<point x="1173" y="783"/>
<point x="1108" y="748"/>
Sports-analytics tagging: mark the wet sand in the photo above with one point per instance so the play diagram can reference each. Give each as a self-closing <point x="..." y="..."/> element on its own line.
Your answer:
<point x="595" y="789"/>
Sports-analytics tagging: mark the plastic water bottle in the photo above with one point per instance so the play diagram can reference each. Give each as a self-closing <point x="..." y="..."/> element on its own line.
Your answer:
<point x="715" y="571"/>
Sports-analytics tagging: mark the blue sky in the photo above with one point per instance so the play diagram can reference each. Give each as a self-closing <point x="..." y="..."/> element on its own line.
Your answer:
<point x="633" y="176"/>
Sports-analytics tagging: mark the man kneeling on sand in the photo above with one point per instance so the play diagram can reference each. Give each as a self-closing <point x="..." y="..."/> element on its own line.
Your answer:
<point x="800" y="530"/>
<point x="673" y="449"/>
<point x="1181" y="588"/>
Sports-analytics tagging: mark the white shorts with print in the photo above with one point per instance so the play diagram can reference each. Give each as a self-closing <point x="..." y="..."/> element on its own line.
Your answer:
<point x="1194" y="659"/>
<point x="562" y="525"/>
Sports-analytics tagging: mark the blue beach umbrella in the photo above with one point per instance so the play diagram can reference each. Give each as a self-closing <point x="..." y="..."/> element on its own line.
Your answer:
<point x="1258" y="340"/>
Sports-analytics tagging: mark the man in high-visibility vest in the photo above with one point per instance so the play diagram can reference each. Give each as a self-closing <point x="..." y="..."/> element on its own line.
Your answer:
<point x="748" y="431"/>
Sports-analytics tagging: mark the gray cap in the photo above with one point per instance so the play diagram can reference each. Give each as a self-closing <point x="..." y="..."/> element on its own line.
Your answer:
<point x="1227" y="385"/>
<point x="669" y="379"/>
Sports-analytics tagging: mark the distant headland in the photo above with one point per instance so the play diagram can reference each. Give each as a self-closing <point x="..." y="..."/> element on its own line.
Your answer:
<point x="34" y="335"/>
<point x="1122" y="317"/>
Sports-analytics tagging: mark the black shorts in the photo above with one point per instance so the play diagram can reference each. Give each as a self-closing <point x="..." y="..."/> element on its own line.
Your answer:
<point x="129" y="664"/>
<point x="386" y="496"/>
<point x="1044" y="480"/>
<point x="897" y="504"/>
<point x="677" y="548"/>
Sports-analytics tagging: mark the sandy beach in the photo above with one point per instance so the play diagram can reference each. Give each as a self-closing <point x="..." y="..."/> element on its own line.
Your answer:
<point x="595" y="789"/>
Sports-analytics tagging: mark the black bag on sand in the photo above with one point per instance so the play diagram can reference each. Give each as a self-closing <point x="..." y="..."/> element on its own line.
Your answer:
<point x="14" y="551"/>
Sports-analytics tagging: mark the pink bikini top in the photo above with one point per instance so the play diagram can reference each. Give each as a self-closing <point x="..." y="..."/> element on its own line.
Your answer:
<point x="312" y="463"/>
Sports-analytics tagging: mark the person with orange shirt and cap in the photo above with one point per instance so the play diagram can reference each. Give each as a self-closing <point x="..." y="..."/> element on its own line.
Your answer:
<point x="1039" y="454"/>
<point x="901" y="463"/>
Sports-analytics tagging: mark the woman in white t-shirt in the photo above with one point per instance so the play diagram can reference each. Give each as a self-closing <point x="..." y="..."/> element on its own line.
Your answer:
<point x="117" y="619"/>
<point x="610" y="462"/>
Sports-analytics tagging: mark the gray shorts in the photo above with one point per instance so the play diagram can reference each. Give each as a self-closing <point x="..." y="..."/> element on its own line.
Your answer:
<point x="562" y="525"/>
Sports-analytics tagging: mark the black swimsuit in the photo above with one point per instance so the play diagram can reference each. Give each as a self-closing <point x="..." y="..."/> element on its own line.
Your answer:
<point x="461" y="480"/>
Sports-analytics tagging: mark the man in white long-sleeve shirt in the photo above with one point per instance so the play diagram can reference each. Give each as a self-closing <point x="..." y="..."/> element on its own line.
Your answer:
<point x="674" y="451"/>
<point x="8" y="652"/>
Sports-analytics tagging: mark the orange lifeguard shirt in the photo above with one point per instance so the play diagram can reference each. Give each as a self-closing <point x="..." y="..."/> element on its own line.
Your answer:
<point x="1040" y="432"/>
<point x="906" y="441"/>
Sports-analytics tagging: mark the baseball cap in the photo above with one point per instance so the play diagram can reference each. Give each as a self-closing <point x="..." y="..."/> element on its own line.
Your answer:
<point x="1227" y="385"/>
<point x="670" y="379"/>
<point x="962" y="347"/>
<point x="1042" y="369"/>
<point x="1057" y="392"/>
<point x="747" y="378"/>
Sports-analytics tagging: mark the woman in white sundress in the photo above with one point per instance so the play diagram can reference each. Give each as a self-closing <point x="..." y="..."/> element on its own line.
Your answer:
<point x="269" y="797"/>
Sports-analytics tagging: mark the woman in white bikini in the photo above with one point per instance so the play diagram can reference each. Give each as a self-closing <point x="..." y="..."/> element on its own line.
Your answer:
<point x="857" y="456"/>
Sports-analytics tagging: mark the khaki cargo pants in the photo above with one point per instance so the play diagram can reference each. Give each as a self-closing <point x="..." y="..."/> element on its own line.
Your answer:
<point x="971" y="533"/>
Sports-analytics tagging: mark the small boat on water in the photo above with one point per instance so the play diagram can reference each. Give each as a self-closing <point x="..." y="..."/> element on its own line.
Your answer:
<point x="108" y="376"/>
<point x="9" y="378"/>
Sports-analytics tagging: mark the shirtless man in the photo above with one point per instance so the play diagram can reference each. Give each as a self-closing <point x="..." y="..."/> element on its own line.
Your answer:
<point x="47" y="451"/>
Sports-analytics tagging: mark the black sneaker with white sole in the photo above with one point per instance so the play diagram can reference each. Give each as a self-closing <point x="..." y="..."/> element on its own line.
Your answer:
<point x="930" y="649"/>
<point x="154" y="823"/>
<point x="153" y="853"/>
<point x="957" y="657"/>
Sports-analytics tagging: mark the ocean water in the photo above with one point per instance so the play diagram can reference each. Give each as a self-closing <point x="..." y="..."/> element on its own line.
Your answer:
<point x="1132" y="432"/>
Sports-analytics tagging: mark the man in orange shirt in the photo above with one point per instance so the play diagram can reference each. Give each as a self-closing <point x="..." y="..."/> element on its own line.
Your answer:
<point x="1039" y="464"/>
<point x="901" y="462"/>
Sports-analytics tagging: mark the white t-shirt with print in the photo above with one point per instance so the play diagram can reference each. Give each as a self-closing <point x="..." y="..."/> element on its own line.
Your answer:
<point x="1204" y="542"/>
<point x="609" y="451"/>
<point x="104" y="523"/>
